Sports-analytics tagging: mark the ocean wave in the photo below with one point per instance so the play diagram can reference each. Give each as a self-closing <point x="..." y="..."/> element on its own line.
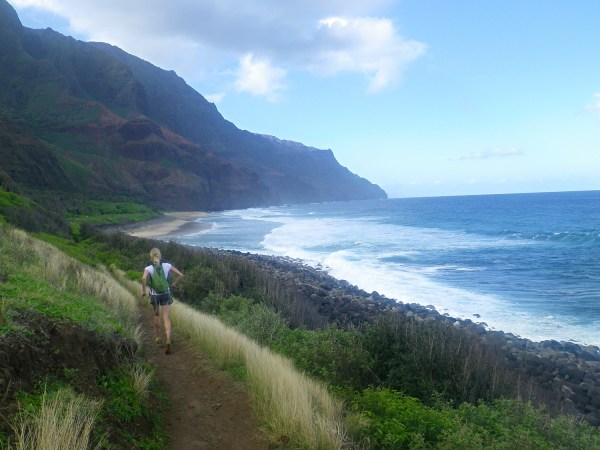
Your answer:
<point x="584" y="237"/>
<point x="448" y="268"/>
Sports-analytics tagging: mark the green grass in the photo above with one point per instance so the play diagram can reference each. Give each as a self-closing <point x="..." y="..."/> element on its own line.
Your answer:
<point x="30" y="216"/>
<point x="60" y="287"/>
<point x="77" y="173"/>
<point x="76" y="144"/>
<point x="96" y="253"/>
<point x="110" y="213"/>
<point x="124" y="401"/>
<point x="45" y="107"/>
<point x="12" y="200"/>
<point x="24" y="291"/>
<point x="79" y="251"/>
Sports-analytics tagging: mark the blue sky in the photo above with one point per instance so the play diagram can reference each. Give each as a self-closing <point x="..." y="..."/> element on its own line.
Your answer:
<point x="423" y="97"/>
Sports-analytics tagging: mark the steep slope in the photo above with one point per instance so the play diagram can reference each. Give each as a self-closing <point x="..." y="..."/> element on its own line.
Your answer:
<point x="116" y="125"/>
<point x="294" y="172"/>
<point x="60" y="131"/>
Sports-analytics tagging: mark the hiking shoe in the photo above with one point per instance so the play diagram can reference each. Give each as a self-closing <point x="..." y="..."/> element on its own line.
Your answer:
<point x="158" y="340"/>
<point x="168" y="349"/>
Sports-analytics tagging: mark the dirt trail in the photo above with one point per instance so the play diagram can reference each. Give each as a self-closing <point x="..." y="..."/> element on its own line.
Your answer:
<point x="208" y="410"/>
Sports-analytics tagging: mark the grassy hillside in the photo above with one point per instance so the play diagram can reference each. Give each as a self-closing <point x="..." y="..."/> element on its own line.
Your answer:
<point x="67" y="353"/>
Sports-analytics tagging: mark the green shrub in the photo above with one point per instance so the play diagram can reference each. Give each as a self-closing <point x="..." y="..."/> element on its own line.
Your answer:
<point x="123" y="402"/>
<point x="198" y="282"/>
<point x="420" y="357"/>
<point x="512" y="424"/>
<point x="393" y="420"/>
<point x="262" y="324"/>
<point x="13" y="200"/>
<point x="332" y="355"/>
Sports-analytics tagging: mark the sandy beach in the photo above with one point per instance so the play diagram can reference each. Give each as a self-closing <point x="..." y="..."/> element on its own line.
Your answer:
<point x="170" y="224"/>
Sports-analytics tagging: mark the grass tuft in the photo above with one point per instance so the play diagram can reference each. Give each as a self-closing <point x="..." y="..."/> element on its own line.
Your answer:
<point x="141" y="377"/>
<point x="64" y="420"/>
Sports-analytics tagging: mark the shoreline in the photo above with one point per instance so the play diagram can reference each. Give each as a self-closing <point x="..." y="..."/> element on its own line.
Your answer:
<point x="178" y="223"/>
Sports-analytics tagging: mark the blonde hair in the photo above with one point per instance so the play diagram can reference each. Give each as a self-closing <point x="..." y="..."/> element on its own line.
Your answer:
<point x="155" y="255"/>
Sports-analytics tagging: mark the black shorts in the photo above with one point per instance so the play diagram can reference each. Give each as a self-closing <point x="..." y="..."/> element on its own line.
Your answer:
<point x="161" y="299"/>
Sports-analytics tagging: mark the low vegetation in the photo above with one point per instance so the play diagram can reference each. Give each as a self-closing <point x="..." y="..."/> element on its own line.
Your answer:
<point x="94" y="212"/>
<point x="29" y="215"/>
<point x="52" y="414"/>
<point x="388" y="385"/>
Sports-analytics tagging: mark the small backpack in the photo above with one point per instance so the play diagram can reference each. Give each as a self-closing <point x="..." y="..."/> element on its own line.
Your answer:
<point x="158" y="281"/>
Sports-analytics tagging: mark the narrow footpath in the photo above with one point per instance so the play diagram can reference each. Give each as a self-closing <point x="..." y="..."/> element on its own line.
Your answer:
<point x="208" y="408"/>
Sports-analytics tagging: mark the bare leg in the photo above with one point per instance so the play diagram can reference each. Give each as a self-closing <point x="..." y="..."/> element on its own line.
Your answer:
<point x="156" y="321"/>
<point x="165" y="310"/>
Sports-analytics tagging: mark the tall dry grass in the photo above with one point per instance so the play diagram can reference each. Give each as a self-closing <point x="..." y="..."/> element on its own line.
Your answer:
<point x="61" y="270"/>
<point x="291" y="404"/>
<point x="141" y="379"/>
<point x="132" y="286"/>
<point x="64" y="421"/>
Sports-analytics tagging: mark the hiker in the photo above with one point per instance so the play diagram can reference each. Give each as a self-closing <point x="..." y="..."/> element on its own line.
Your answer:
<point x="156" y="276"/>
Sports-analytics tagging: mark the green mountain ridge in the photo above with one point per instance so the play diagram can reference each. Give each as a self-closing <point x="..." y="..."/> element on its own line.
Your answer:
<point x="88" y="120"/>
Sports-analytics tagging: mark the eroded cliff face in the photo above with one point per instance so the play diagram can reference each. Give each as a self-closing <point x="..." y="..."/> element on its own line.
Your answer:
<point x="91" y="120"/>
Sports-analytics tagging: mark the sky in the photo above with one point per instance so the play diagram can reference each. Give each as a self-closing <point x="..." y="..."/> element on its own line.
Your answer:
<point x="422" y="97"/>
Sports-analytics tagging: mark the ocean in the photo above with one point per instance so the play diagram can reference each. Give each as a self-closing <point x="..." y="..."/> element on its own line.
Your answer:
<point x="527" y="264"/>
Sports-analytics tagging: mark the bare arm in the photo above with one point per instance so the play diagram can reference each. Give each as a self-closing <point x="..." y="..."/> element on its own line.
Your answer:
<point x="177" y="272"/>
<point x="144" y="277"/>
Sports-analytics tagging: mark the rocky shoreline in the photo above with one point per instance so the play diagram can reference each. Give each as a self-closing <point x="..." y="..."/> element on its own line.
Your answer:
<point x="570" y="371"/>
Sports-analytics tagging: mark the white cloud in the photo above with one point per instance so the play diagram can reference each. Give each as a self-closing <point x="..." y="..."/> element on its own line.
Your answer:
<point x="366" y="45"/>
<point x="259" y="77"/>
<point x="594" y="107"/>
<point x="495" y="153"/>
<point x="201" y="38"/>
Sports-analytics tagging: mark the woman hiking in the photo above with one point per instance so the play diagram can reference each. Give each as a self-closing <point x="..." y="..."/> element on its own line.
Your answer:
<point x="156" y="276"/>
